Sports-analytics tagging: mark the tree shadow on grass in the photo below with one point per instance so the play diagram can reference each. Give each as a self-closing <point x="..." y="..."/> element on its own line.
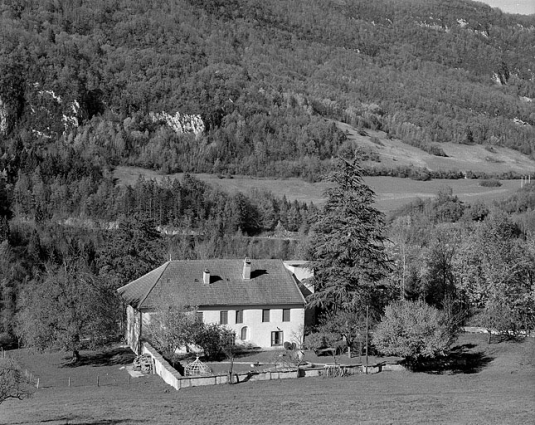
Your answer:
<point x="92" y="422"/>
<point x="111" y="422"/>
<point x="458" y="360"/>
<point x="111" y="357"/>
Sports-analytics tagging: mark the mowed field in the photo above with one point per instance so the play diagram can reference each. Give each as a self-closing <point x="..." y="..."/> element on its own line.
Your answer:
<point x="499" y="390"/>
<point x="392" y="193"/>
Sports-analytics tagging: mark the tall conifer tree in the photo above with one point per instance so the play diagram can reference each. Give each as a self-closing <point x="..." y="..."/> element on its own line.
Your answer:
<point x="346" y="249"/>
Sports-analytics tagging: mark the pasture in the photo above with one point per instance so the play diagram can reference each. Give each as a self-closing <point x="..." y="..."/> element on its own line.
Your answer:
<point x="499" y="389"/>
<point x="392" y="192"/>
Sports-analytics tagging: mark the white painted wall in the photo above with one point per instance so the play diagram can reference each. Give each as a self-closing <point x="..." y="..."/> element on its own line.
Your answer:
<point x="259" y="333"/>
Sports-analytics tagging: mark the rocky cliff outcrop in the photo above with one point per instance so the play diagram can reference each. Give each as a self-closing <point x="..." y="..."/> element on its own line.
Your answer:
<point x="3" y="118"/>
<point x="51" y="114"/>
<point x="180" y="123"/>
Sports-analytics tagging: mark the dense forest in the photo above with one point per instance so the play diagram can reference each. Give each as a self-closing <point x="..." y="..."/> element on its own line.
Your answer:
<point x="239" y="87"/>
<point x="253" y="87"/>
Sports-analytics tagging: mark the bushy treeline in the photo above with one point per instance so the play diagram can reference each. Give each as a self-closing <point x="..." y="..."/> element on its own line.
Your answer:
<point x="424" y="174"/>
<point x="438" y="265"/>
<point x="264" y="76"/>
<point x="471" y="259"/>
<point x="185" y="204"/>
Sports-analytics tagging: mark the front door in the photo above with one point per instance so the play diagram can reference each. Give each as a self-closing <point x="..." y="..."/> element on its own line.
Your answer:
<point x="276" y="338"/>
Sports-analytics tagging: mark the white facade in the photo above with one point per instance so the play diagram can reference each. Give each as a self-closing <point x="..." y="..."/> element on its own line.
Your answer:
<point x="263" y="326"/>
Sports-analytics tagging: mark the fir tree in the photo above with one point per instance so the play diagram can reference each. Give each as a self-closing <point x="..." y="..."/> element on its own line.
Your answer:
<point x="346" y="249"/>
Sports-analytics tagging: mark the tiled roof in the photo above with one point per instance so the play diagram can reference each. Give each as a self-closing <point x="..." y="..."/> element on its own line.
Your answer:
<point x="135" y="292"/>
<point x="181" y="283"/>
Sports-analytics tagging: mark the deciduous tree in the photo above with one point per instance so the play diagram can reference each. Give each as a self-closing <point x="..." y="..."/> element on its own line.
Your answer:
<point x="67" y="308"/>
<point x="494" y="269"/>
<point x="414" y="330"/>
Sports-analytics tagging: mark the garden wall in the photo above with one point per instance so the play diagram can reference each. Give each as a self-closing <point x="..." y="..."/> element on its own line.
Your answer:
<point x="177" y="381"/>
<point x="162" y="367"/>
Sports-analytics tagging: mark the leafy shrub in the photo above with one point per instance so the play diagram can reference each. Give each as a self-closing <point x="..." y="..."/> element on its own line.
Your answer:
<point x="490" y="183"/>
<point x="6" y="340"/>
<point x="420" y="174"/>
<point x="376" y="140"/>
<point x="214" y="339"/>
<point x="436" y="150"/>
<point x="414" y="330"/>
<point x="319" y="340"/>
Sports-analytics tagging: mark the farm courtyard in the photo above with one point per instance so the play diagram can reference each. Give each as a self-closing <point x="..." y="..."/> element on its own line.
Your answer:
<point x="493" y="384"/>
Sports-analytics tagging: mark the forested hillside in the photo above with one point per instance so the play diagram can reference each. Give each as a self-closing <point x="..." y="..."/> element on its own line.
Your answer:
<point x="265" y="77"/>
<point x="259" y="88"/>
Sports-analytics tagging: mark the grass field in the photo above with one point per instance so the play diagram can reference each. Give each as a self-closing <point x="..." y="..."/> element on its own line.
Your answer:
<point x="500" y="391"/>
<point x="392" y="192"/>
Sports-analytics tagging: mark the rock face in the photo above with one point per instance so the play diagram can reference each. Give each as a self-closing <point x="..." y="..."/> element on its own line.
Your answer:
<point x="51" y="114"/>
<point x="3" y="117"/>
<point x="180" y="123"/>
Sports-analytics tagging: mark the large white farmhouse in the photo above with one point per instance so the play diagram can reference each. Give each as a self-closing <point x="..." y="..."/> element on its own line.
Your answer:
<point x="259" y="299"/>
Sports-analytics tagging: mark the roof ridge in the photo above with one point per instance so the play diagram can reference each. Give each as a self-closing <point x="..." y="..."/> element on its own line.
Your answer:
<point x="154" y="284"/>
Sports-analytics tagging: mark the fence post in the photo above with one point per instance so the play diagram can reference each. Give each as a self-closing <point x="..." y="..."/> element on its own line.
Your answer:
<point x="69" y="381"/>
<point x="37" y="385"/>
<point x="98" y="381"/>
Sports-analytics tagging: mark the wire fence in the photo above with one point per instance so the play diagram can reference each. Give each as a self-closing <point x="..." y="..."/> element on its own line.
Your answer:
<point x="118" y="376"/>
<point x="96" y="380"/>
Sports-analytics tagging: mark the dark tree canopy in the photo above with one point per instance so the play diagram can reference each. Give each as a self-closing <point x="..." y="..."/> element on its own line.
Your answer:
<point x="346" y="249"/>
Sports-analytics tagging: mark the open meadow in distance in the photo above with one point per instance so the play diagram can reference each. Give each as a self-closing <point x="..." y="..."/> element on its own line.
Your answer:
<point x="497" y="388"/>
<point x="522" y="7"/>
<point x="392" y="192"/>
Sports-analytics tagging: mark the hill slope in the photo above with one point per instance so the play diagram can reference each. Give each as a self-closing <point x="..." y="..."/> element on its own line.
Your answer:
<point x="394" y="153"/>
<point x="250" y="87"/>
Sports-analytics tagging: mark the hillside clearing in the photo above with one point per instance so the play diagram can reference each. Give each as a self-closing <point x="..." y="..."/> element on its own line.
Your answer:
<point x="477" y="158"/>
<point x="392" y="192"/>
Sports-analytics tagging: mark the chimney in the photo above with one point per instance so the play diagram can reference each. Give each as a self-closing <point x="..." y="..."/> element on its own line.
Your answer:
<point x="206" y="277"/>
<point x="246" y="269"/>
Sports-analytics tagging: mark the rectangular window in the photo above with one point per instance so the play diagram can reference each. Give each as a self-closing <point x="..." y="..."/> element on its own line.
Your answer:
<point x="239" y="316"/>
<point x="223" y="317"/>
<point x="265" y="315"/>
<point x="286" y="315"/>
<point x="276" y="338"/>
<point x="199" y="316"/>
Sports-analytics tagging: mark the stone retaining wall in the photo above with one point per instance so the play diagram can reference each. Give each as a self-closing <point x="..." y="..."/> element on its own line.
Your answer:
<point x="177" y="381"/>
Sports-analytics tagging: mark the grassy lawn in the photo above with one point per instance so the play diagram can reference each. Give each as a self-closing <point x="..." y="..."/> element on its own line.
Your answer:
<point x="500" y="390"/>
